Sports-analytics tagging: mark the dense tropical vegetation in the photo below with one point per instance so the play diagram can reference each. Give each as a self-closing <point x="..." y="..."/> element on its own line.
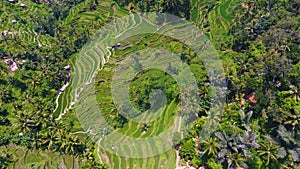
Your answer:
<point x="258" y="42"/>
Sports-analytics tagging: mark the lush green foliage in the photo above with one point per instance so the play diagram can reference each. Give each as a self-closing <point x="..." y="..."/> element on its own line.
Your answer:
<point x="258" y="42"/>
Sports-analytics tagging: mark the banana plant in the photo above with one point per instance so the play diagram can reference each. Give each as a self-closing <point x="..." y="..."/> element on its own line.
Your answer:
<point x="268" y="150"/>
<point x="290" y="142"/>
<point x="235" y="145"/>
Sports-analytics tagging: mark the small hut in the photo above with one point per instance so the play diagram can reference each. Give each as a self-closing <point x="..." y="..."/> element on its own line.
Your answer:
<point x="116" y="46"/>
<point x="22" y="5"/>
<point x="12" y="1"/>
<point x="68" y="67"/>
<point x="36" y="1"/>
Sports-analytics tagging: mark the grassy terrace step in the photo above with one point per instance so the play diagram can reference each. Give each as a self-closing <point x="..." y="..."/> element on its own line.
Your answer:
<point x="220" y="16"/>
<point x="79" y="15"/>
<point x="37" y="158"/>
<point x="156" y="126"/>
<point x="165" y="160"/>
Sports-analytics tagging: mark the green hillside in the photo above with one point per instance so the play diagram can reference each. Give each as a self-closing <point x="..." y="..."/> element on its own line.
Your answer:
<point x="48" y="58"/>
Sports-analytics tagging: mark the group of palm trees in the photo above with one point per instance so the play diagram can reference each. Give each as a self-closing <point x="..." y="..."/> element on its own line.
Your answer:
<point x="235" y="150"/>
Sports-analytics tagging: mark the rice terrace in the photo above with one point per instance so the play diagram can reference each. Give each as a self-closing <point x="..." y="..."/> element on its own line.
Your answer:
<point x="136" y="84"/>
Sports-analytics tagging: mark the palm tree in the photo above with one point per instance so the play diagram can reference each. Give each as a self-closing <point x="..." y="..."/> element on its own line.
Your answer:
<point x="212" y="119"/>
<point x="245" y="119"/>
<point x="236" y="160"/>
<point x="23" y="121"/>
<point x="5" y="160"/>
<point x="67" y="142"/>
<point x="294" y="119"/>
<point x="49" y="138"/>
<point x="210" y="146"/>
<point x="171" y="6"/>
<point x="144" y="127"/>
<point x="36" y="80"/>
<point x="233" y="145"/>
<point x="268" y="150"/>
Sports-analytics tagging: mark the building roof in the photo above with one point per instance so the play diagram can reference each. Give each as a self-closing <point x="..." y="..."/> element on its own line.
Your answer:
<point x="67" y="67"/>
<point x="21" y="61"/>
<point x="251" y="98"/>
<point x="12" y="65"/>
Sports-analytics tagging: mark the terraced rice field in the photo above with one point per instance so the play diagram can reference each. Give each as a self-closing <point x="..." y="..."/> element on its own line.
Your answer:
<point x="94" y="59"/>
<point x="39" y="159"/>
<point x="219" y="14"/>
<point x="133" y="129"/>
<point x="165" y="160"/>
<point x="157" y="126"/>
<point x="21" y="35"/>
<point x="81" y="17"/>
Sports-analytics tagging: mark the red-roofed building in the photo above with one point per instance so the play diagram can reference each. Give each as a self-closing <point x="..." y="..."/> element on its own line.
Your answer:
<point x="251" y="98"/>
